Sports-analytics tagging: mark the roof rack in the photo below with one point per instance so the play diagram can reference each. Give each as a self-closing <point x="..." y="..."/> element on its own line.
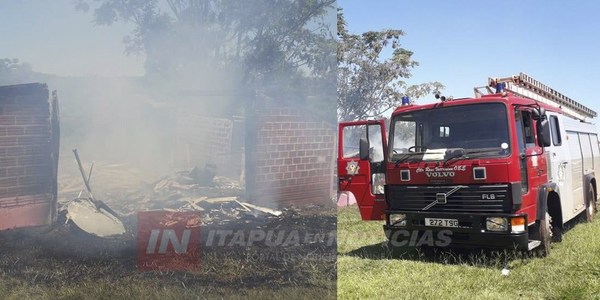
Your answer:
<point x="525" y="86"/>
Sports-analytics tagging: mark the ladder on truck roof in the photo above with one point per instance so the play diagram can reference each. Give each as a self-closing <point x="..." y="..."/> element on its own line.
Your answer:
<point x="525" y="86"/>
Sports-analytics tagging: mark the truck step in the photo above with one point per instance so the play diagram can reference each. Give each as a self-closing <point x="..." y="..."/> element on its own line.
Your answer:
<point x="533" y="243"/>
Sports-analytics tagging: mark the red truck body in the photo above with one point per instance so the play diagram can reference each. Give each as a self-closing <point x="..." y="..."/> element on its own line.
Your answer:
<point x="486" y="171"/>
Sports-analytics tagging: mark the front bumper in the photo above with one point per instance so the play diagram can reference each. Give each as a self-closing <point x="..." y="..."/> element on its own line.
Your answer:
<point x="471" y="232"/>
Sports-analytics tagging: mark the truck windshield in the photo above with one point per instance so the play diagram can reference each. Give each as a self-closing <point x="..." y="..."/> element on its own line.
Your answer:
<point x="473" y="130"/>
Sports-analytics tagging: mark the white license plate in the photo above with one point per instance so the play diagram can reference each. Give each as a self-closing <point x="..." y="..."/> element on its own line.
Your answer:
<point x="441" y="222"/>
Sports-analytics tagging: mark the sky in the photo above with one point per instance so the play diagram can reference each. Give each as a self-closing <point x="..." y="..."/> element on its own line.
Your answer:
<point x="56" y="39"/>
<point x="462" y="43"/>
<point x="458" y="43"/>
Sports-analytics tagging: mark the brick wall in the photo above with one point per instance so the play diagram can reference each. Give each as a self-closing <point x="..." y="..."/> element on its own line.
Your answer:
<point x="202" y="139"/>
<point x="292" y="157"/>
<point x="26" y="166"/>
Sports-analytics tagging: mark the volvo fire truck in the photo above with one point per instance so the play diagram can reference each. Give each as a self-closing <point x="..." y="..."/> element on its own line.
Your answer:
<point x="504" y="169"/>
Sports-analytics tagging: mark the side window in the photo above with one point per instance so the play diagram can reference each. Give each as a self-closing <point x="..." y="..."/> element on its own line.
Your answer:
<point x="352" y="136"/>
<point x="528" y="129"/>
<point x="375" y="144"/>
<point x="351" y="141"/>
<point x="520" y="132"/>
<point x="555" y="128"/>
<point x="521" y="138"/>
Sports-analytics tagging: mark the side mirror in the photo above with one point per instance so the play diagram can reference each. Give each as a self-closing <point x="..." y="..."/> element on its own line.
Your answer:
<point x="364" y="149"/>
<point x="538" y="113"/>
<point x="535" y="114"/>
<point x="543" y="132"/>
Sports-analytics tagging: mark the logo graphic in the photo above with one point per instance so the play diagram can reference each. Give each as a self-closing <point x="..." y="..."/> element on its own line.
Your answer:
<point x="352" y="167"/>
<point x="440" y="172"/>
<point x="442" y="198"/>
<point x="168" y="241"/>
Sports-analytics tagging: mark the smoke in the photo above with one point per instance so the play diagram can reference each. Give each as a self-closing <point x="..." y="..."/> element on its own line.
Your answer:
<point x="210" y="70"/>
<point x="252" y="94"/>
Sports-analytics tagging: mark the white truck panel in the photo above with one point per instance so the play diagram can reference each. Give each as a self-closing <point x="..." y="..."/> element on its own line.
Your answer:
<point x="569" y="162"/>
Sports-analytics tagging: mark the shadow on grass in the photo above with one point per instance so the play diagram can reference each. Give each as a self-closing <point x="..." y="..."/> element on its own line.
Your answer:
<point x="449" y="256"/>
<point x="478" y="257"/>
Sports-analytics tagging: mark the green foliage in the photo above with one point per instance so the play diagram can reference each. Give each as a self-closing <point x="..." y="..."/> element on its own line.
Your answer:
<point x="275" y="46"/>
<point x="368" y="85"/>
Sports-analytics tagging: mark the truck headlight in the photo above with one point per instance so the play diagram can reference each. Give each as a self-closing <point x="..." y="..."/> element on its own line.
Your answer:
<point x="397" y="220"/>
<point x="378" y="183"/>
<point x="496" y="224"/>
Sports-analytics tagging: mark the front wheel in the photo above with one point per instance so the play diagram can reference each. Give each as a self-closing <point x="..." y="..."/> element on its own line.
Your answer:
<point x="544" y="234"/>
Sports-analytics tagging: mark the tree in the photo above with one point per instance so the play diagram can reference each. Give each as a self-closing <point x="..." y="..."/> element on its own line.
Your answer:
<point x="368" y="85"/>
<point x="12" y="71"/>
<point x="264" y="43"/>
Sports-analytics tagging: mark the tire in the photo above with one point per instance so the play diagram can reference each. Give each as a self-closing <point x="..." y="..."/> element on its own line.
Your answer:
<point x="590" y="209"/>
<point x="557" y="233"/>
<point x="544" y="229"/>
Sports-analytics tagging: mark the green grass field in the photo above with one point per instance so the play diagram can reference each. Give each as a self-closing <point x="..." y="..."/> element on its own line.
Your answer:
<point x="368" y="269"/>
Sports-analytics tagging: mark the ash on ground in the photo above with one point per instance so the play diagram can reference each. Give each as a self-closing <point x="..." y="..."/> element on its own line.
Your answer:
<point x="64" y="255"/>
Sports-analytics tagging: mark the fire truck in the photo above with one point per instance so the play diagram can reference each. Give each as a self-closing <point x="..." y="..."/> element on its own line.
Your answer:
<point x="504" y="169"/>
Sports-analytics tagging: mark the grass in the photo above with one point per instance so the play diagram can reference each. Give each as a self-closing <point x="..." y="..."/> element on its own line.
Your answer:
<point x="220" y="278"/>
<point x="368" y="269"/>
<point x="136" y="289"/>
<point x="64" y="264"/>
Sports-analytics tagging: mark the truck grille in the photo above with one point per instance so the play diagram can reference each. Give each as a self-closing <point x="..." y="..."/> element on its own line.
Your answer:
<point x="469" y="198"/>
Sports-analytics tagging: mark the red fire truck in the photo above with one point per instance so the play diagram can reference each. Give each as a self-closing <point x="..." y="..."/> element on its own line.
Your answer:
<point x="505" y="169"/>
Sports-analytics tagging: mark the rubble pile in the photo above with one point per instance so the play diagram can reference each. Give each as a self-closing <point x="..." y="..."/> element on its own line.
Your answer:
<point x="218" y="199"/>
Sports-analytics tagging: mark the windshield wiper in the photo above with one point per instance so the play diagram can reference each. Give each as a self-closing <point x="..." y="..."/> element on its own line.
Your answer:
<point x="405" y="158"/>
<point x="483" y="151"/>
<point x="461" y="153"/>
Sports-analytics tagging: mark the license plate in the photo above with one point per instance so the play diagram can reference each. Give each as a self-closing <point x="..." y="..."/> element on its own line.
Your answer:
<point x="441" y="222"/>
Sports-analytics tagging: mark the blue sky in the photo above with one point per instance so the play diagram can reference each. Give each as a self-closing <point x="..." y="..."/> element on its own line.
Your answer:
<point x="462" y="43"/>
<point x="55" y="38"/>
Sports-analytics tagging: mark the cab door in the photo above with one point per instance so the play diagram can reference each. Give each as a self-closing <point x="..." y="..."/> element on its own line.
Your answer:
<point x="362" y="153"/>
<point x="533" y="160"/>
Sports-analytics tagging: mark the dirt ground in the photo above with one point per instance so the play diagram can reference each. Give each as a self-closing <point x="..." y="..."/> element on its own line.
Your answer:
<point x="65" y="258"/>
